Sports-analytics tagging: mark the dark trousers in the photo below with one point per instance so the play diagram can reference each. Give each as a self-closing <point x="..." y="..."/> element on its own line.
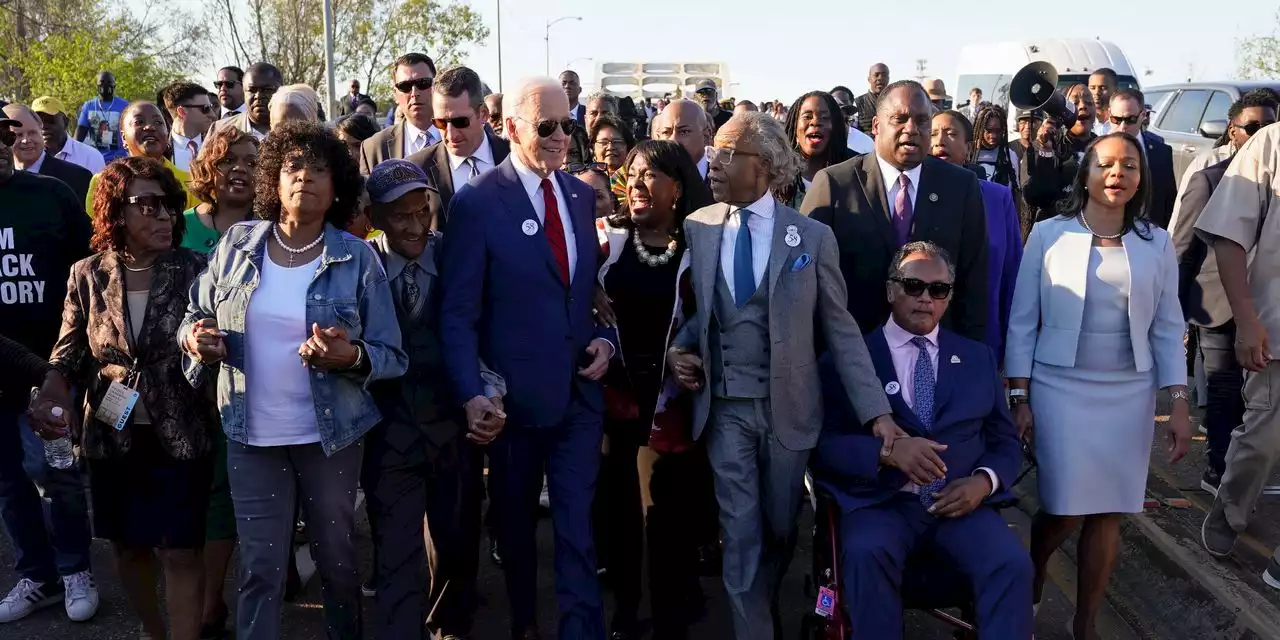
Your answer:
<point x="569" y="454"/>
<point x="41" y="553"/>
<point x="1225" y="409"/>
<point x="423" y="575"/>
<point x="876" y="541"/>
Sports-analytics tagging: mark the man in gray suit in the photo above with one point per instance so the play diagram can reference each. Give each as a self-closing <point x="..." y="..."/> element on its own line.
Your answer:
<point x="412" y="77"/>
<point x="762" y="273"/>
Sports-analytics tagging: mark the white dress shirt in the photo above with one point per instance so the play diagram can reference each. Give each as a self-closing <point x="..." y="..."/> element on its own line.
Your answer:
<point x="904" y="355"/>
<point x="182" y="156"/>
<point x="79" y="153"/>
<point x="533" y="186"/>
<point x="860" y="142"/>
<point x="34" y="167"/>
<point x="889" y="174"/>
<point x="761" y="224"/>
<point x="703" y="167"/>
<point x="461" y="169"/>
<point x="416" y="139"/>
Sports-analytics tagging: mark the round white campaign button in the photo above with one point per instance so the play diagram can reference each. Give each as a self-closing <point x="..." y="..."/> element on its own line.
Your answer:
<point x="892" y="388"/>
<point x="529" y="227"/>
<point x="792" y="240"/>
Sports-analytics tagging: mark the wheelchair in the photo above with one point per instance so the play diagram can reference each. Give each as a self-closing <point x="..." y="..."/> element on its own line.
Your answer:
<point x="929" y="583"/>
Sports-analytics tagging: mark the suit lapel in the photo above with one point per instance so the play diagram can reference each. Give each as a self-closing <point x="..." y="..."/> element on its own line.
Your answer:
<point x="707" y="254"/>
<point x="926" y="207"/>
<point x="779" y="253"/>
<point x="874" y="192"/>
<point x="397" y="142"/>
<point x="583" y="231"/>
<point x="513" y="194"/>
<point x="882" y="360"/>
<point x="947" y="360"/>
<point x="443" y="173"/>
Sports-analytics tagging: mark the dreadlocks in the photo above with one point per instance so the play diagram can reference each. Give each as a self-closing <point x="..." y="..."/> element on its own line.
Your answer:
<point x="837" y="149"/>
<point x="1005" y="173"/>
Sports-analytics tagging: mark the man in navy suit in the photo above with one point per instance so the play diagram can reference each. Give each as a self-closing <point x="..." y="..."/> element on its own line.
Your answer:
<point x="1127" y="109"/>
<point x="518" y="282"/>
<point x="930" y="487"/>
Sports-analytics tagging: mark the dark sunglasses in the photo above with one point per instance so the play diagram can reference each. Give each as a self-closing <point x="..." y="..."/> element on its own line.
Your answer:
<point x="8" y="136"/>
<point x="1130" y="120"/>
<point x="421" y="84"/>
<point x="914" y="287"/>
<point x="225" y="84"/>
<point x="203" y="108"/>
<point x="460" y="122"/>
<point x="548" y="127"/>
<point x="149" y="206"/>
<point x="598" y="167"/>
<point x="1252" y="127"/>
<point x="848" y="110"/>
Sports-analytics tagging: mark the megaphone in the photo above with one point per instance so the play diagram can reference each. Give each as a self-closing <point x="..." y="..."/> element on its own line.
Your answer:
<point x="1035" y="87"/>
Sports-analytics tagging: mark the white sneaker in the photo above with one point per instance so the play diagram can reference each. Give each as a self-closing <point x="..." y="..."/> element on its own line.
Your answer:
<point x="81" y="596"/>
<point x="26" y="598"/>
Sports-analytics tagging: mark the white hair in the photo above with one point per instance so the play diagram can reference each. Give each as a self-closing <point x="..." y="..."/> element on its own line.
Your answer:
<point x="297" y="95"/>
<point x="526" y="90"/>
<point x="775" y="148"/>
<point x="610" y="100"/>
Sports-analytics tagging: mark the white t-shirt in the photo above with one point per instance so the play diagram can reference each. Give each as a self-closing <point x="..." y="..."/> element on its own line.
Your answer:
<point x="280" y="408"/>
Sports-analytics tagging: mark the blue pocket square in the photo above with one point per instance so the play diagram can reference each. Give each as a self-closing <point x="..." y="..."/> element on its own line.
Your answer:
<point x="801" y="262"/>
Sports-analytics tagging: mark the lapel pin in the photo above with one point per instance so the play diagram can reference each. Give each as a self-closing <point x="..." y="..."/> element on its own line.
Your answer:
<point x="574" y="196"/>
<point x="529" y="227"/>
<point x="955" y="359"/>
<point x="792" y="240"/>
<point x="892" y="388"/>
<point x="933" y="197"/>
<point x="792" y="229"/>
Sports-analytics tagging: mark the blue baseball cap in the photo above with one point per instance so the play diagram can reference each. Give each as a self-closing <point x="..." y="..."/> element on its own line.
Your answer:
<point x="391" y="179"/>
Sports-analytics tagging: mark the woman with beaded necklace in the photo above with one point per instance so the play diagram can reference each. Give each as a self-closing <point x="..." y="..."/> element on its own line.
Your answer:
<point x="644" y="257"/>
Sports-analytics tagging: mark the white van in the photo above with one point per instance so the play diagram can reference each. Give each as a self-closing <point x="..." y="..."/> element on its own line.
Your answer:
<point x="991" y="67"/>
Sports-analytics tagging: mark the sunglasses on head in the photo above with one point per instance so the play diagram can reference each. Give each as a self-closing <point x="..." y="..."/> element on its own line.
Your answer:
<point x="148" y="205"/>
<point x="225" y="84"/>
<point x="1129" y="120"/>
<point x="8" y="136"/>
<point x="915" y="286"/>
<point x="421" y="84"/>
<point x="548" y="127"/>
<point x="1252" y="127"/>
<point x="460" y="122"/>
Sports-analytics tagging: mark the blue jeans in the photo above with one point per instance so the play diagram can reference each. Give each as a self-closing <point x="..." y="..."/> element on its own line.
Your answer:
<point x="50" y="545"/>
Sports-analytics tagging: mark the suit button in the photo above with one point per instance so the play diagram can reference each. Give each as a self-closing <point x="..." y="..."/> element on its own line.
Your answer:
<point x="317" y="297"/>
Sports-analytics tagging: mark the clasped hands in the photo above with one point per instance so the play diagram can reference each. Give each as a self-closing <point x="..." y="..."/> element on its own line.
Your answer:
<point x="919" y="459"/>
<point x="326" y="349"/>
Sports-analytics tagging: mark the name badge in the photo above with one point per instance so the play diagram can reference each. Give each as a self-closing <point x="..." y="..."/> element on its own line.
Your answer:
<point x="826" y="605"/>
<point x="117" y="405"/>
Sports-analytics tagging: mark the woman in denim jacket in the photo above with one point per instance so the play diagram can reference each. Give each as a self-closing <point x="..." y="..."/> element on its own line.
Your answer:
<point x="295" y="319"/>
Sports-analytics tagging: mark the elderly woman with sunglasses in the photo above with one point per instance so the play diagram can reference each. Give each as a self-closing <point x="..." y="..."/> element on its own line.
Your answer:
<point x="293" y="389"/>
<point x="146" y="431"/>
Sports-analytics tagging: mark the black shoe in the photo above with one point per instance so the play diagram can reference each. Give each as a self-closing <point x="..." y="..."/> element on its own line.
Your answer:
<point x="216" y="630"/>
<point x="623" y="635"/>
<point x="1210" y="481"/>
<point x="710" y="560"/>
<point x="493" y="552"/>
<point x="293" y="583"/>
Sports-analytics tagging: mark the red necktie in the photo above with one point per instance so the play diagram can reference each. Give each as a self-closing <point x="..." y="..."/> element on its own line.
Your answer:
<point x="554" y="229"/>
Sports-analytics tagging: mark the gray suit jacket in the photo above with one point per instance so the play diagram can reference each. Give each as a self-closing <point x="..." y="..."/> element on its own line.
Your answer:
<point x="385" y="144"/>
<point x="238" y="121"/>
<point x="806" y="293"/>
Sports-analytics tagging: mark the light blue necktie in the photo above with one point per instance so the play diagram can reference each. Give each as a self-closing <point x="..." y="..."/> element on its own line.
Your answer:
<point x="744" y="276"/>
<point x="923" y="383"/>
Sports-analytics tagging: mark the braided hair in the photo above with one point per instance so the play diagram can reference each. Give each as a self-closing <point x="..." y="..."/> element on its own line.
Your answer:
<point x="837" y="149"/>
<point x="1005" y="173"/>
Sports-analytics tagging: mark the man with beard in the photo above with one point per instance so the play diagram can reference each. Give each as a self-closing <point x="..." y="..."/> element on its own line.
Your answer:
<point x="100" y="119"/>
<point x="261" y="82"/>
<point x="30" y="154"/>
<point x="708" y="95"/>
<point x="878" y="202"/>
<point x="53" y="122"/>
<point x="877" y="80"/>
<point x="412" y="77"/>
<point x="230" y="86"/>
<point x="43" y="230"/>
<point x="146" y="134"/>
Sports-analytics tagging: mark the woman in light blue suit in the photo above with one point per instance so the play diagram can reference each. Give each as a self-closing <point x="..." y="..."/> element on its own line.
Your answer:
<point x="1094" y="331"/>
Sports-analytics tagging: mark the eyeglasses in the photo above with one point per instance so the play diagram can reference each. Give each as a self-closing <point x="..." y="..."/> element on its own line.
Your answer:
<point x="149" y="205"/>
<point x="8" y="136"/>
<point x="548" y="127"/>
<point x="1129" y="120"/>
<point x="225" y="84"/>
<point x="460" y="122"/>
<point x="421" y="84"/>
<point x="598" y="167"/>
<point x="725" y="156"/>
<point x="1252" y="127"/>
<point x="914" y="287"/>
<point x="611" y="142"/>
<point x="204" y="108"/>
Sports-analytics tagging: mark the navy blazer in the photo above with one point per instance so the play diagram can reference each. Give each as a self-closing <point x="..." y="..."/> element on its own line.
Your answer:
<point x="504" y="302"/>
<point x="970" y="417"/>
<point x="1164" y="186"/>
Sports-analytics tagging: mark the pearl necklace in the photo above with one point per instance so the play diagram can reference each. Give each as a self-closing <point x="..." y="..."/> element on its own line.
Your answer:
<point x="642" y="252"/>
<point x="1085" y="221"/>
<point x="140" y="270"/>
<point x="275" y="231"/>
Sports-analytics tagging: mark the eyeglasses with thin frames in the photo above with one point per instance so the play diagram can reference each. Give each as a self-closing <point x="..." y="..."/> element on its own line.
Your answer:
<point x="724" y="157"/>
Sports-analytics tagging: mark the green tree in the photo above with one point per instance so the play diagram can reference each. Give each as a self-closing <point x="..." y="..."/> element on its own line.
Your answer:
<point x="1258" y="57"/>
<point x="368" y="36"/>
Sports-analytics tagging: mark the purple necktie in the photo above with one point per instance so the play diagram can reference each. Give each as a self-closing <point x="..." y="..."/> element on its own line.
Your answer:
<point x="902" y="212"/>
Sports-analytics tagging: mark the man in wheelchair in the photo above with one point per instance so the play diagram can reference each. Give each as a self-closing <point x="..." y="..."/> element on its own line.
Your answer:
<point x="931" y="489"/>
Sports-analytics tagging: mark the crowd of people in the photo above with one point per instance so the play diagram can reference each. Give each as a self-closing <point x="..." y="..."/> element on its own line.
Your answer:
<point x="242" y="314"/>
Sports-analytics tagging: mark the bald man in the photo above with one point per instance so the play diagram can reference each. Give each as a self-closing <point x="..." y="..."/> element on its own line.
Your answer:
<point x="746" y="106"/>
<point x="686" y="123"/>
<point x="877" y="80"/>
<point x="29" y="152"/>
<point x="519" y="279"/>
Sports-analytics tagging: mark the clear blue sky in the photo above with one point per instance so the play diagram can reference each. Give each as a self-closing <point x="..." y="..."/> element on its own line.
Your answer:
<point x="782" y="48"/>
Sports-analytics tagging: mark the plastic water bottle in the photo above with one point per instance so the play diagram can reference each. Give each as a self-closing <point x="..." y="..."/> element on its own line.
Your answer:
<point x="57" y="453"/>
